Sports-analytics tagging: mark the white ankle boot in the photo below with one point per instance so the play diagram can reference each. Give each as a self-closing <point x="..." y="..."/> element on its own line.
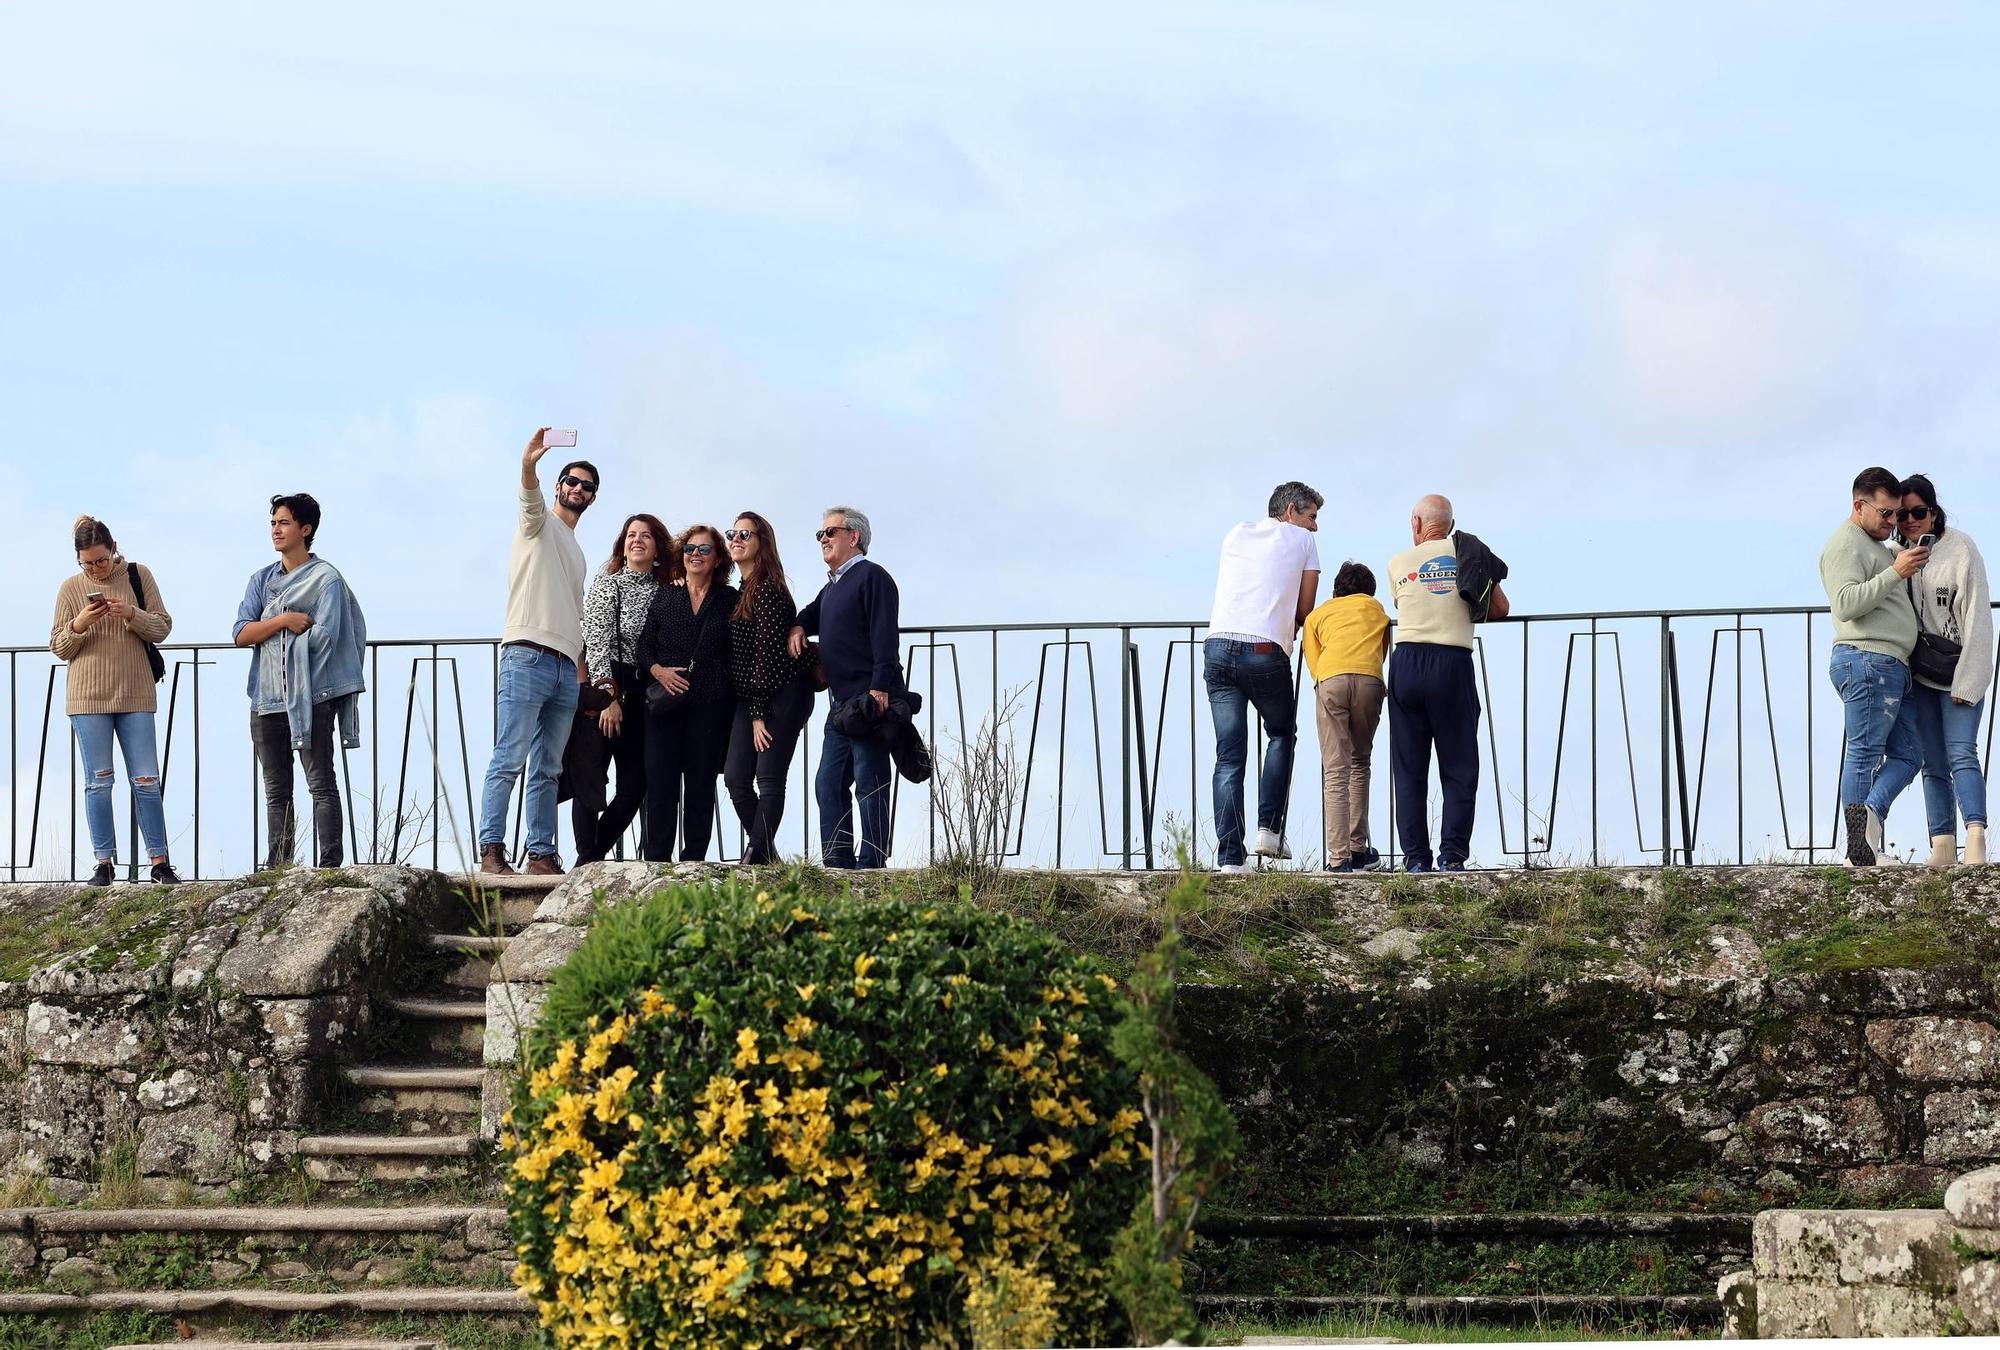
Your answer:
<point x="1975" y="846"/>
<point x="1944" y="850"/>
<point x="1882" y="855"/>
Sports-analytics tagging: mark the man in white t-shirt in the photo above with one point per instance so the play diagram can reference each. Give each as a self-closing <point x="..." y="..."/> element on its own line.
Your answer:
<point x="1264" y="589"/>
<point x="1433" y="692"/>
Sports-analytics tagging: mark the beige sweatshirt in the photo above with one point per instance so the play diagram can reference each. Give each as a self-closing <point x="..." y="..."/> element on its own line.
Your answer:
<point x="108" y="671"/>
<point x="545" y="576"/>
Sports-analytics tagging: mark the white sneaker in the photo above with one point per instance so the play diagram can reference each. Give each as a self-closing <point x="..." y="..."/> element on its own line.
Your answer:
<point x="1270" y="844"/>
<point x="1882" y="855"/>
<point x="1242" y="869"/>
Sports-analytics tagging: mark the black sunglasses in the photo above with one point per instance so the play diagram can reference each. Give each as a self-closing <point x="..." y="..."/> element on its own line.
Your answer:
<point x="1913" y="513"/>
<point x="570" y="480"/>
<point x="698" y="550"/>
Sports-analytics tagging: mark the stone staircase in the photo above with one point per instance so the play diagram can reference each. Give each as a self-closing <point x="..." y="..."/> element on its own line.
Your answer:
<point x="400" y="1233"/>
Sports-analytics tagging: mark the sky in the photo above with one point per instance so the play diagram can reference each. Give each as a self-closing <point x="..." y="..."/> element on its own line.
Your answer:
<point x="1056" y="293"/>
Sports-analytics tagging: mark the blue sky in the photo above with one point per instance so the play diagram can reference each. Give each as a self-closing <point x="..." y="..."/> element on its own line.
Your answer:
<point x="1056" y="292"/>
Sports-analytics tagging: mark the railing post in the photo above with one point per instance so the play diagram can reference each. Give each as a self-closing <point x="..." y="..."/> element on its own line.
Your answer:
<point x="1666" y="748"/>
<point x="1125" y="748"/>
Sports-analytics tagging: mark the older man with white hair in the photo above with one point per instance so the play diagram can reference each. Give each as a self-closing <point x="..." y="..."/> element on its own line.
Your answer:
<point x="1433" y="693"/>
<point x="855" y="617"/>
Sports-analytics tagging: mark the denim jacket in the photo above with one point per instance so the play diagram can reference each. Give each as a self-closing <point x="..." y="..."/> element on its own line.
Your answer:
<point x="291" y="672"/>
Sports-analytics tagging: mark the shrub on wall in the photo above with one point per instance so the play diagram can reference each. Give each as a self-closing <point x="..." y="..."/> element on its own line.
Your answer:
<point x="778" y="1118"/>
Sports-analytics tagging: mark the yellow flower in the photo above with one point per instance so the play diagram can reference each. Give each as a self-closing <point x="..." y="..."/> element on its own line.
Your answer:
<point x="806" y="991"/>
<point x="746" y="1048"/>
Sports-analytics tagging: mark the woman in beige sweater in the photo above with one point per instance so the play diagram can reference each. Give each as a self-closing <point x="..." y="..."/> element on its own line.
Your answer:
<point x="102" y="628"/>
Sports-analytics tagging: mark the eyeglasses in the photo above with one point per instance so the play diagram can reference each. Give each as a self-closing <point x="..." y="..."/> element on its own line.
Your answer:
<point x="570" y="480"/>
<point x="88" y="563"/>
<point x="829" y="532"/>
<point x="697" y="550"/>
<point x="738" y="536"/>
<point x="1885" y="512"/>
<point x="1913" y="513"/>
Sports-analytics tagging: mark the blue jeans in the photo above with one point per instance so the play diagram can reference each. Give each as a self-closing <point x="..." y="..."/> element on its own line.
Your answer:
<point x="1239" y="677"/>
<point x="1954" y="784"/>
<point x="1883" y="752"/>
<point x="134" y="731"/>
<point x="849" y="762"/>
<point x="537" y="705"/>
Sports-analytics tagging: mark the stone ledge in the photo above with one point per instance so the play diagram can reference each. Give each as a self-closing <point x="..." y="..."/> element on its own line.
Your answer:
<point x="1872" y="1248"/>
<point x="486" y="1302"/>
<point x="327" y="1219"/>
<point x="1789" y="1310"/>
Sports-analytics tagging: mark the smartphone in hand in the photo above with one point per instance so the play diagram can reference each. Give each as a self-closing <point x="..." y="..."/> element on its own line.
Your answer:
<point x="560" y="440"/>
<point x="94" y="597"/>
<point x="1927" y="541"/>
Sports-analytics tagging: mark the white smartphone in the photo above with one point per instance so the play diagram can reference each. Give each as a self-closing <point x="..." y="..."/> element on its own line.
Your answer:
<point x="1927" y="541"/>
<point x="561" y="439"/>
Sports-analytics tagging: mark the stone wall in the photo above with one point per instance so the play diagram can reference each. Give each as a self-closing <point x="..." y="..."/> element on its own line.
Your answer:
<point x="192" y="1036"/>
<point x="1766" y="1031"/>
<point x="1918" y="1272"/>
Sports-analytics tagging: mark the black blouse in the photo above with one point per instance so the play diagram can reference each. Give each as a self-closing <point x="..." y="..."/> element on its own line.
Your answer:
<point x="673" y="630"/>
<point x="759" y="664"/>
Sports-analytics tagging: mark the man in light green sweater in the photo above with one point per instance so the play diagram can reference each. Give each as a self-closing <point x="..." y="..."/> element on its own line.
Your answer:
<point x="1874" y="628"/>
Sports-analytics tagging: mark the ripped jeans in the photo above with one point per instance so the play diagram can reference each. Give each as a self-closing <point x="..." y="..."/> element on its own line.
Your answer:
<point x="1883" y="752"/>
<point x="134" y="731"/>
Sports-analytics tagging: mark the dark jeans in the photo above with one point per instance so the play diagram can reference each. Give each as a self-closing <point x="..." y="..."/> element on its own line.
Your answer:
<point x="684" y="752"/>
<point x="1434" y="702"/>
<point x="851" y="766"/>
<point x="1239" y="677"/>
<point x="586" y="760"/>
<point x="271" y="735"/>
<point x="756" y="778"/>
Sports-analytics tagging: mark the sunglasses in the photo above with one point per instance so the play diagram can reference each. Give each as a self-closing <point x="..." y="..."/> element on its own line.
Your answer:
<point x="570" y="480"/>
<point x="738" y="536"/>
<point x="829" y="532"/>
<point x="698" y="550"/>
<point x="1913" y="513"/>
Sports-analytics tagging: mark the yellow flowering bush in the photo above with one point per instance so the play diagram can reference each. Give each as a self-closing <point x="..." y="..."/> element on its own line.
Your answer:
<point x="782" y="1119"/>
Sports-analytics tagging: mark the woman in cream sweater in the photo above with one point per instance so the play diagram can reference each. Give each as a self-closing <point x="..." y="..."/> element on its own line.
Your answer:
<point x="1953" y="604"/>
<point x="102" y="628"/>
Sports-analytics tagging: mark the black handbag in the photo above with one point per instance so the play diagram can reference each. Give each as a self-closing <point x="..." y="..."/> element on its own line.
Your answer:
<point x="153" y="657"/>
<point x="1935" y="657"/>
<point x="660" y="703"/>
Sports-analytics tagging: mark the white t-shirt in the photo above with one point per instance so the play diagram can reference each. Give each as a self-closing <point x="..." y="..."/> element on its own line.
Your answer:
<point x="1257" y="586"/>
<point x="1429" y="608"/>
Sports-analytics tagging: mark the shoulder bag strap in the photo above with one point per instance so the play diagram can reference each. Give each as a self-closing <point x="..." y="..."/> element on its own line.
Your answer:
<point x="138" y="587"/>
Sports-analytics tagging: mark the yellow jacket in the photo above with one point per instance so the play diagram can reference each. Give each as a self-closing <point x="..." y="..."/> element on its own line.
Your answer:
<point x="1347" y="636"/>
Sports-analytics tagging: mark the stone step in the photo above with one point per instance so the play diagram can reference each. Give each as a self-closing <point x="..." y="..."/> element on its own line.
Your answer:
<point x="418" y="1093"/>
<point x="263" y="1219"/>
<point x="505" y="1303"/>
<point x="1513" y="1309"/>
<point x="390" y="1159"/>
<point x="506" y="910"/>
<point x="285" y="1345"/>
<point x="478" y="951"/>
<point x="452" y="1030"/>
<point x="467" y="942"/>
<point x="1727" y="1230"/>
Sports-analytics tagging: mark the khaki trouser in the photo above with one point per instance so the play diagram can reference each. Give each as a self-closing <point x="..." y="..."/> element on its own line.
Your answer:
<point x="1349" y="708"/>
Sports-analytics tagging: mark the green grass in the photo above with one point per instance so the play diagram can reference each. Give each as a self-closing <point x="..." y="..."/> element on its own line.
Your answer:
<point x="105" y="1329"/>
<point x="132" y="922"/>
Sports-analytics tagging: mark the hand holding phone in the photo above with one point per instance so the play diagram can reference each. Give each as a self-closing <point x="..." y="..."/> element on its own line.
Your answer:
<point x="560" y="440"/>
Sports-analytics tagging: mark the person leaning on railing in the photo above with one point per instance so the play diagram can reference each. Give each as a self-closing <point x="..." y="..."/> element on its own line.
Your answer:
<point x="774" y="691"/>
<point x="1346" y="641"/>
<point x="1874" y="629"/>
<point x="306" y="678"/>
<point x="611" y="721"/>
<point x="1951" y="666"/>
<point x="102" y="629"/>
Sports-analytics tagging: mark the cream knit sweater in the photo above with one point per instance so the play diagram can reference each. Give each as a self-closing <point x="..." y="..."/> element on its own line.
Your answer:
<point x="108" y="672"/>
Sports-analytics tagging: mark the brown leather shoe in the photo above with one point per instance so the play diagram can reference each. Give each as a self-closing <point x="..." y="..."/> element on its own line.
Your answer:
<point x="544" y="865"/>
<point x="493" y="861"/>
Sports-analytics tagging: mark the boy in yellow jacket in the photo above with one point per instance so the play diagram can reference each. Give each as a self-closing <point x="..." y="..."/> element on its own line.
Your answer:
<point x="1346" y="641"/>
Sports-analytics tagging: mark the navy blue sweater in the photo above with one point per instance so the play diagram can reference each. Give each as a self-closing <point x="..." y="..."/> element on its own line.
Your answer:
<point x="855" y="620"/>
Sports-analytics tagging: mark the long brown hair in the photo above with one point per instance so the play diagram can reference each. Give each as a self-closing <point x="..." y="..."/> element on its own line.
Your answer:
<point x="768" y="569"/>
<point x="666" y="554"/>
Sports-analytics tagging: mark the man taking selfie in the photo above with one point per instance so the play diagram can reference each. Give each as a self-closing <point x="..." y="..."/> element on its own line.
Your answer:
<point x="541" y="657"/>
